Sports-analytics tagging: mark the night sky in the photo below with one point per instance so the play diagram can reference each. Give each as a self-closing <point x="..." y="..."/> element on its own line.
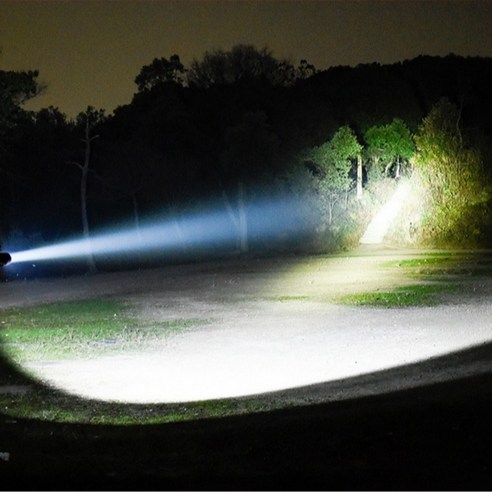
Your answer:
<point x="89" y="52"/>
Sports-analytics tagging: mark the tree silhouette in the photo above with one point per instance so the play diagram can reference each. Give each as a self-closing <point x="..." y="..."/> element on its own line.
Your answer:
<point x="242" y="62"/>
<point x="249" y="151"/>
<point x="161" y="70"/>
<point x="88" y="121"/>
<point x="15" y="89"/>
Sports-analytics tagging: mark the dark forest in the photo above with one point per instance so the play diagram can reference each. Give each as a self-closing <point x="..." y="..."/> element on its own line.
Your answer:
<point x="240" y="126"/>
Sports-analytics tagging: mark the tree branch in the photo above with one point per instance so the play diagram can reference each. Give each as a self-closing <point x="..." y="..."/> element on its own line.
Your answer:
<point x="76" y="164"/>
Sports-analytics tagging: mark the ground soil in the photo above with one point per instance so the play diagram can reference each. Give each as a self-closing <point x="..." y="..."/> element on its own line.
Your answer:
<point x="422" y="425"/>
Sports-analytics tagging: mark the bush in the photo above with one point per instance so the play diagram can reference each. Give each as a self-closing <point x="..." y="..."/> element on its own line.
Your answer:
<point x="456" y="201"/>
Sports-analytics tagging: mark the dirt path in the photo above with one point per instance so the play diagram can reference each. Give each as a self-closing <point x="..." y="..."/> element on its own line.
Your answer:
<point x="269" y="326"/>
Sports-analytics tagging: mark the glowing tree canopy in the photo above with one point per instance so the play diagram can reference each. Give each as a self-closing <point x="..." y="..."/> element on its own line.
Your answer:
<point x="334" y="161"/>
<point x="453" y="176"/>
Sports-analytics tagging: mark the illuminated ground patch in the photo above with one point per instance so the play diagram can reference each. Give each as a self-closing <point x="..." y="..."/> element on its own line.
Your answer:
<point x="379" y="225"/>
<point x="245" y="328"/>
<point x="283" y="348"/>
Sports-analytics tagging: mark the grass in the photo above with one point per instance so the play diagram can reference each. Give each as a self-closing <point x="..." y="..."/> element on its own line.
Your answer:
<point x="290" y="298"/>
<point x="83" y="329"/>
<point x="444" y="264"/>
<point x="88" y="328"/>
<point x="79" y="329"/>
<point x="52" y="405"/>
<point x="408" y="296"/>
<point x="420" y="262"/>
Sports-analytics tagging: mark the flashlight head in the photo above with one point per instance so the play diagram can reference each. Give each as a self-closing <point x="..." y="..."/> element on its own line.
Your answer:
<point x="4" y="258"/>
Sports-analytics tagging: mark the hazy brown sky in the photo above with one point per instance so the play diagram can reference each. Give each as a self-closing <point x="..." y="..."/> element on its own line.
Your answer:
<point x="89" y="52"/>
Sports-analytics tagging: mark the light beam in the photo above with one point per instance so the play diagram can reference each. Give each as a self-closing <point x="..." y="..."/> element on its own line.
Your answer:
<point x="380" y="224"/>
<point x="198" y="232"/>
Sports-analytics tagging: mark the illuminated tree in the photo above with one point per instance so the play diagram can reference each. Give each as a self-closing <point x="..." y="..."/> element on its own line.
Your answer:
<point x="453" y="176"/>
<point x="389" y="146"/>
<point x="161" y="70"/>
<point x="333" y="161"/>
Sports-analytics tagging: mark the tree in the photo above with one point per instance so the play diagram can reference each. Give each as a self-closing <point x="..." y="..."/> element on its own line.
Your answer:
<point x="333" y="161"/>
<point x="88" y="121"/>
<point x="15" y="89"/>
<point x="161" y="70"/>
<point x="41" y="147"/>
<point x="389" y="146"/>
<point x="249" y="151"/>
<point x="453" y="176"/>
<point x="305" y="70"/>
<point x="129" y="167"/>
<point x="243" y="62"/>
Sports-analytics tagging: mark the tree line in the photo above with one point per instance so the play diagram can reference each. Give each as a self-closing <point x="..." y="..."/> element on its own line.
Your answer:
<point x="241" y="125"/>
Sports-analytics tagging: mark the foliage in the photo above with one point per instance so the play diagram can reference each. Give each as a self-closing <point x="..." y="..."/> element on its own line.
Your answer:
<point x="91" y="116"/>
<point x="387" y="144"/>
<point x="241" y="63"/>
<point x="453" y="176"/>
<point x="249" y="148"/>
<point x="81" y="329"/>
<point x="161" y="70"/>
<point x="333" y="162"/>
<point x="407" y="296"/>
<point x="15" y="89"/>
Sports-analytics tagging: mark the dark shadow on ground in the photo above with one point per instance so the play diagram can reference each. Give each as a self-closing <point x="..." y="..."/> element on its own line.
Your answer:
<point x="437" y="436"/>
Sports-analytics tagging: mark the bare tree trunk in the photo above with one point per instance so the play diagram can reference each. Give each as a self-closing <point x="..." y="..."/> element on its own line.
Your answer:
<point x="232" y="215"/>
<point x="243" y="219"/>
<point x="460" y="111"/>
<point x="83" y="198"/>
<point x="386" y="169"/>
<point x="230" y="210"/>
<point x="398" y="165"/>
<point x="359" y="177"/>
<point x="177" y="226"/>
<point x="136" y="216"/>
<point x="240" y="220"/>
<point x="331" y="204"/>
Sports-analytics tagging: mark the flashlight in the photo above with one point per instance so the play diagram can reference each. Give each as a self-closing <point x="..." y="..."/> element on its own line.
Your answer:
<point x="4" y="258"/>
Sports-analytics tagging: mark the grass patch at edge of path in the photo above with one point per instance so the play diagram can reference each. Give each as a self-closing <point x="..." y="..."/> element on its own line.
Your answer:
<point x="52" y="405"/>
<point x="80" y="329"/>
<point x="400" y="297"/>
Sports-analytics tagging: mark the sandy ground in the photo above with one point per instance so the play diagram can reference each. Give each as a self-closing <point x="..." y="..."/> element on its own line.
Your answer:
<point x="270" y="329"/>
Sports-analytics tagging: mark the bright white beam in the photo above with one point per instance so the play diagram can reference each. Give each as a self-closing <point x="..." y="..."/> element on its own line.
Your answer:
<point x="379" y="225"/>
<point x="206" y="231"/>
